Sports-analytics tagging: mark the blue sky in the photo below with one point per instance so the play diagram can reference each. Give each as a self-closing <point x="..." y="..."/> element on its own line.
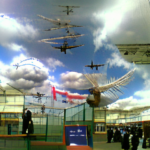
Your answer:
<point x="104" y="24"/>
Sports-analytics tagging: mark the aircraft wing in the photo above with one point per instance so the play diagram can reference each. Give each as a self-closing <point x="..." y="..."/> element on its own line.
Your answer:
<point x="87" y="65"/>
<point x="57" y="47"/>
<point x="63" y="26"/>
<point x="71" y="26"/>
<point x="74" y="6"/>
<point x="70" y="47"/>
<point x="55" y="28"/>
<point x="64" y="37"/>
<point x="70" y="6"/>
<point x="48" y="19"/>
<point x="98" y="65"/>
<point x="49" y="42"/>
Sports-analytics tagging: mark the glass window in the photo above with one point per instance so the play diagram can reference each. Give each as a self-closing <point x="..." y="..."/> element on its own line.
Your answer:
<point x="99" y="127"/>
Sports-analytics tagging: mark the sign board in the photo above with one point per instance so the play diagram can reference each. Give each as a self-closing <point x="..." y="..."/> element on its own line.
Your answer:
<point x="76" y="135"/>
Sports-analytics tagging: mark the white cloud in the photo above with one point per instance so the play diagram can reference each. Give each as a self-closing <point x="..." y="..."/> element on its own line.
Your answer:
<point x="110" y="22"/>
<point x="132" y="101"/>
<point x="15" y="47"/>
<point x="51" y="78"/>
<point x="11" y="31"/>
<point x="118" y="61"/>
<point x="73" y="80"/>
<point x="53" y="63"/>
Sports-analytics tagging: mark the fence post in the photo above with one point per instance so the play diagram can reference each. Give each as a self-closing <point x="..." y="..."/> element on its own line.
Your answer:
<point x="92" y="120"/>
<point x="28" y="143"/>
<point x="84" y="112"/>
<point x="46" y="128"/>
<point x="64" y="116"/>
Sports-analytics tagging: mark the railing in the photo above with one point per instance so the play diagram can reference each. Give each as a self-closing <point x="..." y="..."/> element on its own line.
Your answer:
<point x="127" y="120"/>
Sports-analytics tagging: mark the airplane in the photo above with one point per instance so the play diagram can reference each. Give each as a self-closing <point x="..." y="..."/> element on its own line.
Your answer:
<point x="65" y="46"/>
<point x="17" y="65"/>
<point x="92" y="65"/>
<point x="69" y="10"/>
<point x="39" y="96"/>
<point x="58" y="22"/>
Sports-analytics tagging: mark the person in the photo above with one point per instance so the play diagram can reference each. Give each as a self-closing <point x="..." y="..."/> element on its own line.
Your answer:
<point x="43" y="109"/>
<point x="140" y="132"/>
<point x="109" y="135"/>
<point x="144" y="143"/>
<point x="27" y="115"/>
<point x="125" y="141"/>
<point x="25" y="121"/>
<point x="135" y="141"/>
<point x="117" y="136"/>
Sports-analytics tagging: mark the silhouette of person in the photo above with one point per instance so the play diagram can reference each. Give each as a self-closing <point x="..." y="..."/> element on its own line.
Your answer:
<point x="43" y="109"/>
<point x="27" y="115"/>
<point x="109" y="135"/>
<point x="125" y="142"/>
<point x="135" y="141"/>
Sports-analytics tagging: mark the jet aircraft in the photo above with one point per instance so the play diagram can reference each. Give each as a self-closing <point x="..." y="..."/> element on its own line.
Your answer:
<point x="69" y="10"/>
<point x="65" y="46"/>
<point x="58" y="22"/>
<point x="92" y="65"/>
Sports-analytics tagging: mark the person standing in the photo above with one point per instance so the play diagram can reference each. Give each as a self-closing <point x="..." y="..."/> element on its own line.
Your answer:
<point x="43" y="109"/>
<point x="135" y="141"/>
<point x="27" y="115"/>
<point x="109" y="135"/>
<point x="125" y="142"/>
<point x="25" y="121"/>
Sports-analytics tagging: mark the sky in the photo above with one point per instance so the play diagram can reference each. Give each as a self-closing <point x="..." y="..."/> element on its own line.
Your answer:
<point x="105" y="23"/>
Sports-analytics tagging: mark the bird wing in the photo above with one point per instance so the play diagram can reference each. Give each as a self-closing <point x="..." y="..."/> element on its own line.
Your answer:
<point x="124" y="80"/>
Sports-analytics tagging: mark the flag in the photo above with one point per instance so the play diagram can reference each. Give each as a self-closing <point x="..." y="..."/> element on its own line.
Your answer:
<point x="54" y="93"/>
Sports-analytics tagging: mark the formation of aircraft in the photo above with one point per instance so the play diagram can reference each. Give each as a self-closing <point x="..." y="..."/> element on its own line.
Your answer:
<point x="65" y="46"/>
<point x="69" y="9"/>
<point x="96" y="66"/>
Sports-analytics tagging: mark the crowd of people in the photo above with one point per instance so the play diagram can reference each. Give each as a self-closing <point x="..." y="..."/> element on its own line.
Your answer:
<point x="123" y="135"/>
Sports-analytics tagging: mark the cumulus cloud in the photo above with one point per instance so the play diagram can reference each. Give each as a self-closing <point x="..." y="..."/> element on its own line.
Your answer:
<point x="25" y="77"/>
<point x="75" y="80"/>
<point x="51" y="78"/>
<point x="132" y="101"/>
<point x="118" y="61"/>
<point x="13" y="31"/>
<point x="53" y="63"/>
<point x="118" y="22"/>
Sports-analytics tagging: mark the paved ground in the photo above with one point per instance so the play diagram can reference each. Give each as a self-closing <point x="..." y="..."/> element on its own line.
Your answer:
<point x="112" y="146"/>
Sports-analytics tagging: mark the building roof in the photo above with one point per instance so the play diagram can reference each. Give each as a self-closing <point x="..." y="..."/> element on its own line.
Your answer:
<point x="137" y="53"/>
